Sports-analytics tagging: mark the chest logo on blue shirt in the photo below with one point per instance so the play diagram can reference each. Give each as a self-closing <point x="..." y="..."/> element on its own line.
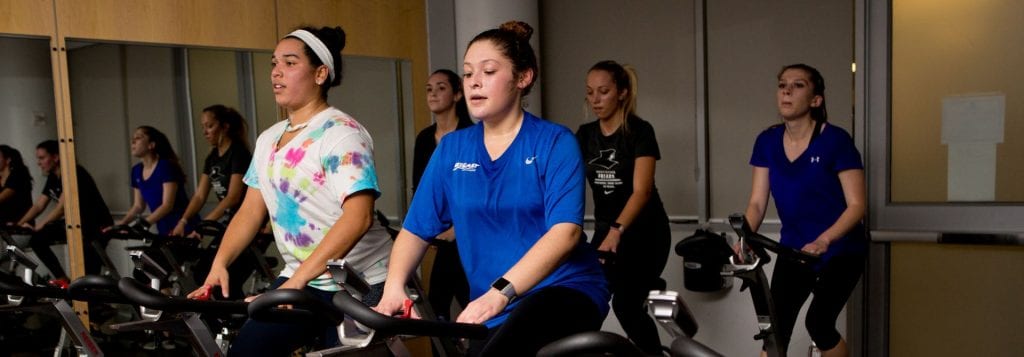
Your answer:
<point x="605" y="160"/>
<point x="815" y="159"/>
<point x="529" y="160"/>
<point x="467" y="167"/>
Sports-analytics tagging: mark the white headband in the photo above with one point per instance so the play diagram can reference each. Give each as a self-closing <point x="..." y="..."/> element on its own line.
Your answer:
<point x="318" y="47"/>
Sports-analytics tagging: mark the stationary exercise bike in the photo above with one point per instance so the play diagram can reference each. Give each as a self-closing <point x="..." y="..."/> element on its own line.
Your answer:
<point x="711" y="252"/>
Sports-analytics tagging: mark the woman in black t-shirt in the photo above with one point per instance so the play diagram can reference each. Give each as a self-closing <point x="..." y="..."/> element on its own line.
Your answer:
<point x="224" y="129"/>
<point x="15" y="185"/>
<point x="620" y="152"/>
<point x="93" y="211"/>
<point x="445" y="99"/>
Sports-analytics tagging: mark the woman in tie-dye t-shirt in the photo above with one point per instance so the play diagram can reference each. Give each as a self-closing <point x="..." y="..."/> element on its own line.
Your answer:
<point x="313" y="173"/>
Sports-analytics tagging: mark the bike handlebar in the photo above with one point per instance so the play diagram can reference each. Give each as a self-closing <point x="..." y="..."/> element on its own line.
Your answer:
<point x="13" y="285"/>
<point x="141" y="294"/>
<point x="390" y="326"/>
<point x="304" y="308"/>
<point x="96" y="288"/>
<point x="756" y="240"/>
<point x="591" y="343"/>
<point x="210" y="228"/>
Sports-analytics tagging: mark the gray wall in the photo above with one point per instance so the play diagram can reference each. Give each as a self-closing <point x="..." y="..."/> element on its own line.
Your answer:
<point x="657" y="38"/>
<point x="27" y="114"/>
<point x="748" y="42"/>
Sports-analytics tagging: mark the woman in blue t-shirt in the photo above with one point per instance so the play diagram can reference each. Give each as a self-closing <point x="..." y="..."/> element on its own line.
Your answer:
<point x="157" y="182"/>
<point x="514" y="189"/>
<point x="814" y="173"/>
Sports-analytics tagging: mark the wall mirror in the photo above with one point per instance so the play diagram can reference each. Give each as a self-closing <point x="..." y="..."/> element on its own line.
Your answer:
<point x="117" y="87"/>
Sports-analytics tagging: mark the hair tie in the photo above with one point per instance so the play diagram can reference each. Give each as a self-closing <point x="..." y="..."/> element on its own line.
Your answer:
<point x="318" y="47"/>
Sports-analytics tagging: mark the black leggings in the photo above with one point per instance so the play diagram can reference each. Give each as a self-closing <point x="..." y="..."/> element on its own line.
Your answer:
<point x="636" y="270"/>
<point x="54" y="233"/>
<point x="542" y="317"/>
<point x="832" y="285"/>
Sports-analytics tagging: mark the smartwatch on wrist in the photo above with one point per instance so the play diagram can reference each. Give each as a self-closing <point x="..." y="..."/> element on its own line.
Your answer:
<point x="616" y="226"/>
<point x="505" y="288"/>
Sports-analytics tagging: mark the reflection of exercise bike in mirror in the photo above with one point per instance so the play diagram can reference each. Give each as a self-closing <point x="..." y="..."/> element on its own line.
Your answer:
<point x="252" y="262"/>
<point x="709" y="259"/>
<point x="161" y="261"/>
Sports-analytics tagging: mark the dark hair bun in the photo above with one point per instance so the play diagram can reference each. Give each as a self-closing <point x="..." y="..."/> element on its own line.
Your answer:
<point x="333" y="36"/>
<point x="522" y="30"/>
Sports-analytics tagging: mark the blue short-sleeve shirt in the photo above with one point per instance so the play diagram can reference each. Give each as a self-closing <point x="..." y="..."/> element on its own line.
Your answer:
<point x="503" y="207"/>
<point x="807" y="192"/>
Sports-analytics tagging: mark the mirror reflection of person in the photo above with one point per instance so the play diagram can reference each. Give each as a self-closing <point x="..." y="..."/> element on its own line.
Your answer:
<point x="313" y="174"/>
<point x="225" y="130"/>
<point x="814" y="173"/>
<point x="157" y="182"/>
<point x="15" y="185"/>
<point x="620" y="152"/>
<point x="514" y="189"/>
<point x="50" y="228"/>
<point x="447" y="102"/>
<point x="225" y="165"/>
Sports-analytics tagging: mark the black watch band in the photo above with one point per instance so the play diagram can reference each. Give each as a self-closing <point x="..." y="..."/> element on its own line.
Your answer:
<point x="505" y="288"/>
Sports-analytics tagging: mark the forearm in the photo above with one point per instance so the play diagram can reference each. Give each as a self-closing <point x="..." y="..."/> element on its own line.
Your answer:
<point x="237" y="237"/>
<point x="160" y="212"/>
<point x="406" y="254"/>
<point x="755" y="214"/>
<point x="32" y="213"/>
<point x="219" y="210"/>
<point x="130" y="215"/>
<point x="634" y="205"/>
<point x="849" y="219"/>
<point x="544" y="257"/>
<point x="6" y="194"/>
<point x="194" y="206"/>
<point x="55" y="214"/>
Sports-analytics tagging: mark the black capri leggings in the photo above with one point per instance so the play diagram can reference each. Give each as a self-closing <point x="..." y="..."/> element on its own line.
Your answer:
<point x="540" y="318"/>
<point x="832" y="285"/>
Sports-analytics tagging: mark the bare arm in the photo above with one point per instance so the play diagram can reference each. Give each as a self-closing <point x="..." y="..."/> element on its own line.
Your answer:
<point x="202" y="192"/>
<point x="356" y="217"/>
<point x="543" y="258"/>
<point x="34" y="211"/>
<point x="55" y="214"/>
<point x="6" y="194"/>
<point x="240" y="233"/>
<point x="170" y="192"/>
<point x="235" y="190"/>
<point x="759" y="192"/>
<point x="643" y="185"/>
<point x="137" y="206"/>
<point x="406" y="255"/>
<point x="856" y="206"/>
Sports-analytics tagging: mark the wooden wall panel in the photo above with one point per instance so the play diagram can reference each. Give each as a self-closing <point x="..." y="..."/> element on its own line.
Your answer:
<point x="26" y="17"/>
<point x="242" y="24"/>
<point x="377" y="28"/>
<point x="956" y="300"/>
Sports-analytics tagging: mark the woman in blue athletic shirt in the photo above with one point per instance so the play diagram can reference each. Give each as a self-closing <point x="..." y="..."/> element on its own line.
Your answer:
<point x="157" y="182"/>
<point x="814" y="173"/>
<point x="513" y="188"/>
